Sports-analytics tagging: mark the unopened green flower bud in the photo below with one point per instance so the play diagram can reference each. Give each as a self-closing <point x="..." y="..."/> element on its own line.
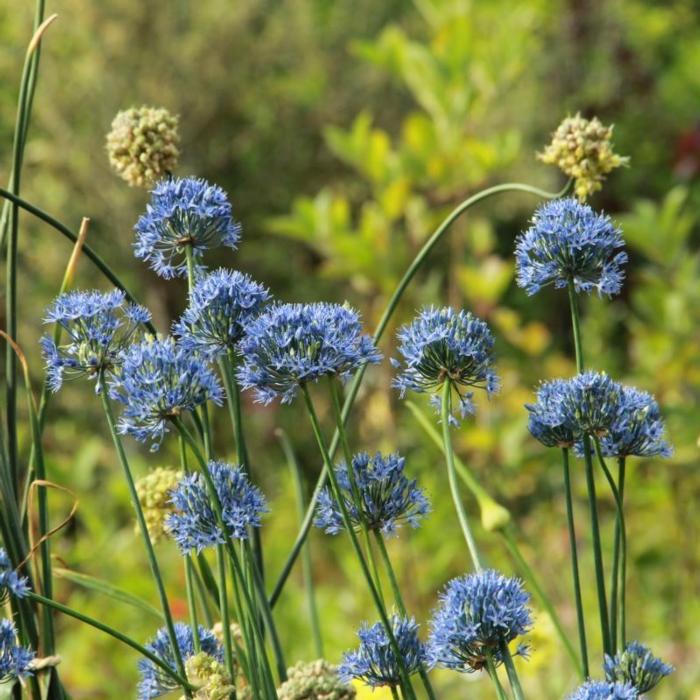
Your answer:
<point x="493" y="515"/>
<point x="154" y="495"/>
<point x="317" y="680"/>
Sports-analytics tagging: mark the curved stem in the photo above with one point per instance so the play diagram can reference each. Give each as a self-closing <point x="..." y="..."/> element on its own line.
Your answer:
<point x="379" y="332"/>
<point x="574" y="562"/>
<point x="452" y="476"/>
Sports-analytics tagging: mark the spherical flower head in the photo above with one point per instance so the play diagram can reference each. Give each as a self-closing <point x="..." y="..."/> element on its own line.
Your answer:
<point x="442" y="345"/>
<point x="142" y="144"/>
<point x="154" y="492"/>
<point x="158" y="381"/>
<point x="154" y="681"/>
<point x="289" y="345"/>
<point x="184" y="213"/>
<point x="221" y="306"/>
<point x="15" y="660"/>
<point x="194" y="524"/>
<point x="478" y="615"/>
<point x="569" y="242"/>
<point x="589" y="403"/>
<point x="209" y="676"/>
<point x="602" y="690"/>
<point x="637" y="666"/>
<point x="317" y="680"/>
<point x="375" y="661"/>
<point x="637" y="429"/>
<point x="582" y="149"/>
<point x="99" y="325"/>
<point x="388" y="498"/>
<point x="11" y="583"/>
<point x="546" y="422"/>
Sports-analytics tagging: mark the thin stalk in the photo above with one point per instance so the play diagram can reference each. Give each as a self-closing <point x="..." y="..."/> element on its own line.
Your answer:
<point x="452" y="476"/>
<point x="576" y="326"/>
<point x="203" y="595"/>
<point x="307" y="566"/>
<point x="623" y="569"/>
<point x="394" y="693"/>
<point x="392" y="304"/>
<point x="223" y="605"/>
<point x="493" y="675"/>
<point x="512" y="673"/>
<point x="176" y="676"/>
<point x="574" y="563"/>
<point x="191" y="603"/>
<point x="152" y="561"/>
<point x="316" y="427"/>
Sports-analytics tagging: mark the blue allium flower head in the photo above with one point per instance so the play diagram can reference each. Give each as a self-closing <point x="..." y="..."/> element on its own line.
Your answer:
<point x="477" y="615"/>
<point x="637" y="429"/>
<point x="15" y="660"/>
<point x="184" y="212"/>
<point x="291" y="344"/>
<point x="602" y="690"/>
<point x="590" y="402"/>
<point x="387" y="496"/>
<point x="445" y="345"/>
<point x="11" y="583"/>
<point x="568" y="241"/>
<point x="194" y="525"/>
<point x="375" y="662"/>
<point x="221" y="306"/>
<point x="99" y="325"/>
<point x="546" y="422"/>
<point x="158" y="380"/>
<point x="638" y="666"/>
<point x="154" y="681"/>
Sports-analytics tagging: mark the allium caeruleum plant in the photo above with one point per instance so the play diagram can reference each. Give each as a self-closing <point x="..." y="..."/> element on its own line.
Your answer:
<point x="15" y="660"/>
<point x="601" y="690"/>
<point x="637" y="666"/>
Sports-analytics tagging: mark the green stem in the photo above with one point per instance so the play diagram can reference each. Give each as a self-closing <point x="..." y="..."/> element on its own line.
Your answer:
<point x="379" y="332"/>
<point x="191" y="603"/>
<point x="623" y="570"/>
<point x="223" y="606"/>
<point x="512" y="673"/>
<point x="152" y="561"/>
<point x="576" y="326"/>
<point x="574" y="562"/>
<point x="452" y="476"/>
<point x="493" y="675"/>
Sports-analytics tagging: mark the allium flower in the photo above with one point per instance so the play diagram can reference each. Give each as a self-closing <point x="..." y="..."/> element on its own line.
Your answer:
<point x="209" y="676"/>
<point x="154" y="491"/>
<point x="154" y="681"/>
<point x="99" y="325"/>
<point x="569" y="242"/>
<point x="582" y="149"/>
<point x="387" y="496"/>
<point x="375" y="662"/>
<point x="221" y="306"/>
<point x="11" y="583"/>
<point x="15" y="660"/>
<point x="638" y="666"/>
<point x="637" y="429"/>
<point x="317" y="680"/>
<point x="602" y="690"/>
<point x="478" y="614"/>
<point x="194" y="525"/>
<point x="289" y="345"/>
<point x="546" y="422"/>
<point x="159" y="380"/>
<point x="184" y="212"/>
<point x="590" y="402"/>
<point x="142" y="144"/>
<point x="442" y="345"/>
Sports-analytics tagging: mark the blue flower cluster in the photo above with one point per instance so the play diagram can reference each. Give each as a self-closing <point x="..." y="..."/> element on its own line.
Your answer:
<point x="289" y="345"/>
<point x="194" y="525"/>
<point x="637" y="666"/>
<point x="99" y="325"/>
<point x="221" y="306"/>
<point x="154" y="681"/>
<point x="375" y="662"/>
<point x="387" y="497"/>
<point x="442" y="345"/>
<point x="478" y="614"/>
<point x="546" y="422"/>
<point x="569" y="242"/>
<point x="15" y="660"/>
<point x="602" y="690"/>
<point x="11" y="583"/>
<point x="159" y="380"/>
<point x="182" y="213"/>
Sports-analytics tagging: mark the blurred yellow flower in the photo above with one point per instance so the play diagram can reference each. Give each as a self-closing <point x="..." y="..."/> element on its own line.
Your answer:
<point x="365" y="692"/>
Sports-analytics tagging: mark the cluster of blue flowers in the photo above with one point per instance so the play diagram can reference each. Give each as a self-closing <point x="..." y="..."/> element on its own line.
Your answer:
<point x="387" y="497"/>
<point x="194" y="524"/>
<point x="603" y="690"/>
<point x="154" y="681"/>
<point x="11" y="583"/>
<point x="569" y="243"/>
<point x="444" y="345"/>
<point x="15" y="660"/>
<point x="638" y="666"/>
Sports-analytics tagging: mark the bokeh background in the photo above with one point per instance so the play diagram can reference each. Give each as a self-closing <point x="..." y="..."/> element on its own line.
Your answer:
<point x="344" y="132"/>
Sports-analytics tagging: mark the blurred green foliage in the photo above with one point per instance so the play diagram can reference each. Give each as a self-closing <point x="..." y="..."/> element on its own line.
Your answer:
<point x="344" y="132"/>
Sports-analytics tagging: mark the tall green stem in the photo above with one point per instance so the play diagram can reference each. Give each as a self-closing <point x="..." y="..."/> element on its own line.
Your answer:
<point x="573" y="547"/>
<point x="493" y="675"/>
<point x="512" y="672"/>
<point x="223" y="606"/>
<point x="452" y="476"/>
